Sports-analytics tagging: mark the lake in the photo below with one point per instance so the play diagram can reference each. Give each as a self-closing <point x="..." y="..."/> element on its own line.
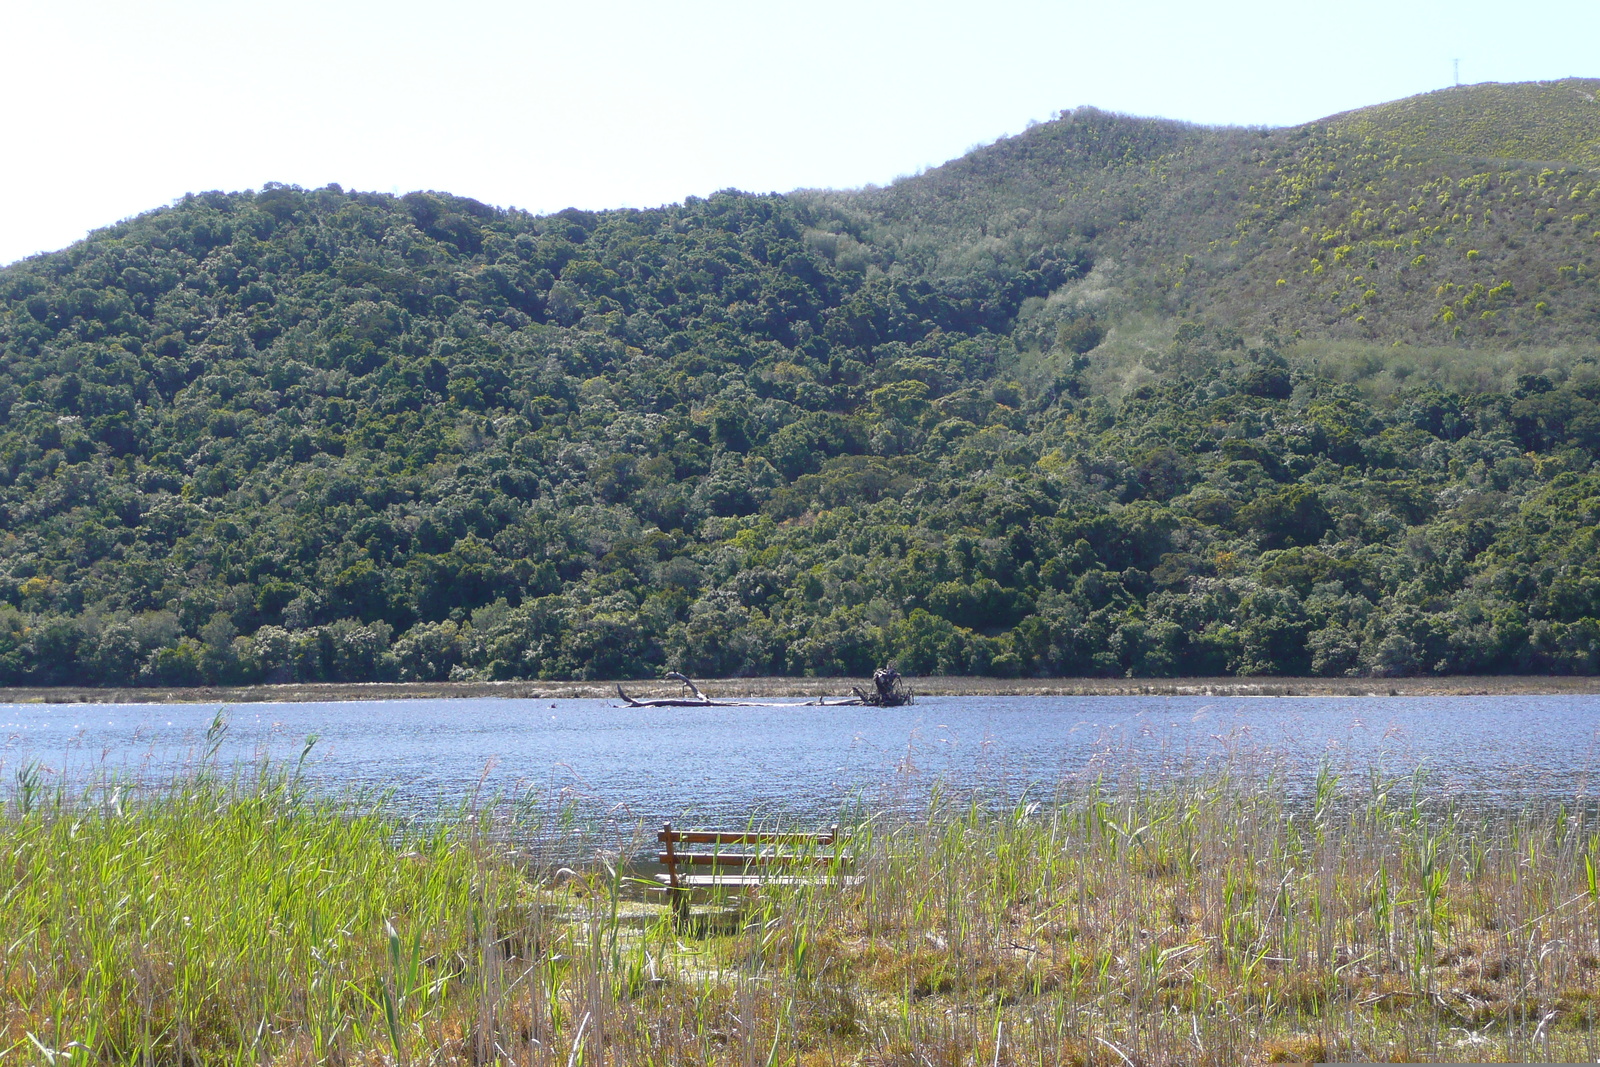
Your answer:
<point x="722" y="765"/>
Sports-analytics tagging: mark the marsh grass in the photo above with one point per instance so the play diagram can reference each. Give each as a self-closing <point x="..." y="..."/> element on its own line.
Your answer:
<point x="237" y="919"/>
<point x="229" y="918"/>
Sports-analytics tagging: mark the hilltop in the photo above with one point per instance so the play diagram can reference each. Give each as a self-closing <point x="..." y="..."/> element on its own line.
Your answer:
<point x="1557" y="122"/>
<point x="1115" y="396"/>
<point x="1420" y="221"/>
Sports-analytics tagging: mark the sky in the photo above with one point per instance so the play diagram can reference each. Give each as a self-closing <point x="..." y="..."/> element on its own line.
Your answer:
<point x="114" y="109"/>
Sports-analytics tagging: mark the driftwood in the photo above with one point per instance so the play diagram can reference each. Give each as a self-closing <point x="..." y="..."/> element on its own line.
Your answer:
<point x="891" y="691"/>
<point x="699" y="700"/>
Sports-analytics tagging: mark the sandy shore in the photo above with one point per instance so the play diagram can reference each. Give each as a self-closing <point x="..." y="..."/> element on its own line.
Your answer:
<point x="780" y="688"/>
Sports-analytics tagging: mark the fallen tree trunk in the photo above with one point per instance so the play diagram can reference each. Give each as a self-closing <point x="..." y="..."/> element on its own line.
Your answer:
<point x="891" y="692"/>
<point x="699" y="700"/>
<point x="675" y="702"/>
<point x="707" y="702"/>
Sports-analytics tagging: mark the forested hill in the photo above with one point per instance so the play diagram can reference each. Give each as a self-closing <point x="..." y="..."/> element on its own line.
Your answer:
<point x="1078" y="403"/>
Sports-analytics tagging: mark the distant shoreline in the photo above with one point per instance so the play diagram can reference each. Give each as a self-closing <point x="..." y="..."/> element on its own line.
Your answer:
<point x="801" y="688"/>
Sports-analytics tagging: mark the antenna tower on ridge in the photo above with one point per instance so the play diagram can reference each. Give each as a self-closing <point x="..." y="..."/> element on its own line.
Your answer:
<point x="1456" y="65"/>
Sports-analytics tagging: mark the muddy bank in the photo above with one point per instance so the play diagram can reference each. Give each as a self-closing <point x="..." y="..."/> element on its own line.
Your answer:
<point x="800" y="688"/>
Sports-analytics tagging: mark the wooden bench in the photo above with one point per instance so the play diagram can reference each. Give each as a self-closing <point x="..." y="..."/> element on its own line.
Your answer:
<point x="757" y="860"/>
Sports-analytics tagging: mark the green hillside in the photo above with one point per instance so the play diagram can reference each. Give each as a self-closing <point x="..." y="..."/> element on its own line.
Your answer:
<point x="1361" y="227"/>
<point x="1113" y="396"/>
<point x="1556" y="121"/>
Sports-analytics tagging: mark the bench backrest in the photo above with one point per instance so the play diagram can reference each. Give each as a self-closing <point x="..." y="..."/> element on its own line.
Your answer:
<point x="759" y="849"/>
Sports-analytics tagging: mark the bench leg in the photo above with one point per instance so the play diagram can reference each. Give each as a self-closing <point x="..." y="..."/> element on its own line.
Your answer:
<point x="680" y="905"/>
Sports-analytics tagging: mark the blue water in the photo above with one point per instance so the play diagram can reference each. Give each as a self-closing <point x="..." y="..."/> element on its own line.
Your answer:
<point x="720" y="764"/>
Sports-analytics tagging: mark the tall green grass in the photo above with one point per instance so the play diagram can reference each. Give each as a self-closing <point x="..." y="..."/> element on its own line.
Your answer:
<point x="237" y="919"/>
<point x="232" y="918"/>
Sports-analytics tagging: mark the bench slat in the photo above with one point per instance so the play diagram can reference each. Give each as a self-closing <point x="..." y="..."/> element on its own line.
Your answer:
<point x="749" y="881"/>
<point x="750" y="859"/>
<point x="715" y="837"/>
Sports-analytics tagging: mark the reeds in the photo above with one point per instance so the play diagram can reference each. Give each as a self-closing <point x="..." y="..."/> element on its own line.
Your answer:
<point x="238" y="920"/>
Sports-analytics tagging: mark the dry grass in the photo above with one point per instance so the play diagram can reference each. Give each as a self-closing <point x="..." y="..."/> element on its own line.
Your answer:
<point x="239" y="921"/>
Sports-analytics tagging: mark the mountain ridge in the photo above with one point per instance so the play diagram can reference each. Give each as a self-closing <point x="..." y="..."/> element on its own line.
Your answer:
<point x="1316" y="228"/>
<point x="1548" y="121"/>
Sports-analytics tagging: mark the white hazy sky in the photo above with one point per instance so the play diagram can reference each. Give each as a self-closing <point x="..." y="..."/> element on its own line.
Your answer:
<point x="115" y="108"/>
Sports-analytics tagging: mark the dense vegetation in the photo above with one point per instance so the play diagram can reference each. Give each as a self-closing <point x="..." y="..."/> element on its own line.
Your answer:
<point x="1114" y="396"/>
